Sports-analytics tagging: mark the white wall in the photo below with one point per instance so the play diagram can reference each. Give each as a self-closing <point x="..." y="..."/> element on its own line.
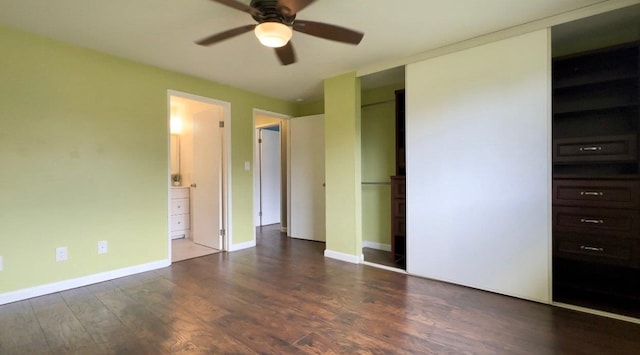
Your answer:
<point x="478" y="167"/>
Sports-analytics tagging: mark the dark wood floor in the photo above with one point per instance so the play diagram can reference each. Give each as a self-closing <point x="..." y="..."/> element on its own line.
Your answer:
<point x="380" y="257"/>
<point x="284" y="297"/>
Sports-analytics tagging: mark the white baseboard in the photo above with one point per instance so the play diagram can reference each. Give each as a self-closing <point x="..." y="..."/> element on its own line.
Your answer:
<point x="27" y="293"/>
<point x="241" y="246"/>
<point x="354" y="259"/>
<point x="283" y="229"/>
<point x="378" y="246"/>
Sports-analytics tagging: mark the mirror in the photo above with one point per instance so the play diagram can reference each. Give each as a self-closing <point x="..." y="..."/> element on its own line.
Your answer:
<point x="175" y="154"/>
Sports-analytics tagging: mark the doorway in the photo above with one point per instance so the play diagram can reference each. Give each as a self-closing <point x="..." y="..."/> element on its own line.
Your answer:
<point x="299" y="172"/>
<point x="270" y="170"/>
<point x="383" y="169"/>
<point x="198" y="175"/>
<point x="269" y="182"/>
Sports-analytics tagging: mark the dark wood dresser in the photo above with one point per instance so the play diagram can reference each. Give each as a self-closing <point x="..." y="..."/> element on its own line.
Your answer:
<point x="398" y="219"/>
<point x="399" y="189"/>
<point x="596" y="180"/>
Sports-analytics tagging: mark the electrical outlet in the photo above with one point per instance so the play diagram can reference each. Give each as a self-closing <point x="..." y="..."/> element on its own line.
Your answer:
<point x="102" y="247"/>
<point x="61" y="254"/>
<point x="1" y="264"/>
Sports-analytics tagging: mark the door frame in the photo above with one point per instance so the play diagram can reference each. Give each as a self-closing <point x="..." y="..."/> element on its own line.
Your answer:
<point x="225" y="194"/>
<point x="256" y="178"/>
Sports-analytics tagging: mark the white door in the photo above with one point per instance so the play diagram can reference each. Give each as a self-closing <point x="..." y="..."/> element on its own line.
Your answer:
<point x="307" y="193"/>
<point x="207" y="183"/>
<point x="269" y="175"/>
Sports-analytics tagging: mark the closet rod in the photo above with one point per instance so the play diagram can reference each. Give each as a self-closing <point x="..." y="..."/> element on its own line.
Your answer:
<point x="375" y="183"/>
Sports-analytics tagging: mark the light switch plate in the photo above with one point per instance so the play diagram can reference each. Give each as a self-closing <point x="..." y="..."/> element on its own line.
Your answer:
<point x="1" y="264"/>
<point x="247" y="165"/>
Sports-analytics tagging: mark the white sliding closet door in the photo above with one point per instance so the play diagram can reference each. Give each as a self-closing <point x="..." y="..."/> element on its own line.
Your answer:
<point x="478" y="167"/>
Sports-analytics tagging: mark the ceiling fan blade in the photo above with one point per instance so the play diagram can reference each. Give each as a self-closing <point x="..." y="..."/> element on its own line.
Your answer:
<point x="327" y="31"/>
<point x="291" y="7"/>
<point x="218" y="37"/>
<point x="286" y="54"/>
<point x="239" y="6"/>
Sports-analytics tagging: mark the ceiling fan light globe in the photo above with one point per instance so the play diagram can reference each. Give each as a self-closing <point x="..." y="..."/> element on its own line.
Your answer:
<point x="273" y="34"/>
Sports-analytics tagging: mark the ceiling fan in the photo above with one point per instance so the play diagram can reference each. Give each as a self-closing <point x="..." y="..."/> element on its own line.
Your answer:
<point x="276" y="22"/>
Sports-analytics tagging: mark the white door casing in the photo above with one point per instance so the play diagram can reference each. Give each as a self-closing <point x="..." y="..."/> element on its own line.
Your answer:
<point x="307" y="177"/>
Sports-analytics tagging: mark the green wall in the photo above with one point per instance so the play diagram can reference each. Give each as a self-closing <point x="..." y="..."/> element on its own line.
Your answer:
<point x="311" y="108"/>
<point x="378" y="157"/>
<point x="378" y="162"/>
<point x="83" y="150"/>
<point x="342" y="165"/>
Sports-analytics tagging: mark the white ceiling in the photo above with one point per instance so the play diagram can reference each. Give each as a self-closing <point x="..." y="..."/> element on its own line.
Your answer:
<point x="162" y="33"/>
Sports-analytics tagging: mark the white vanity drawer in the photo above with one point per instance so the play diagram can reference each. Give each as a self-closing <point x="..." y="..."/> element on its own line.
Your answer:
<point x="180" y="222"/>
<point x="180" y="192"/>
<point x="180" y="206"/>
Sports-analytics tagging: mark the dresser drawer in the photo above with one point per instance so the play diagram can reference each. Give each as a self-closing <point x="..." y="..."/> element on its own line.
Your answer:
<point x="398" y="227"/>
<point x="595" y="149"/>
<point x="180" y="206"/>
<point x="181" y="192"/>
<point x="597" y="193"/>
<point x="620" y="223"/>
<point x="399" y="207"/>
<point x="180" y="222"/>
<point x="398" y="187"/>
<point x="609" y="251"/>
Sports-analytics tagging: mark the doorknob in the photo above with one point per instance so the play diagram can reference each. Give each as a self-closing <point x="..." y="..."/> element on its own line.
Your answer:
<point x="193" y="185"/>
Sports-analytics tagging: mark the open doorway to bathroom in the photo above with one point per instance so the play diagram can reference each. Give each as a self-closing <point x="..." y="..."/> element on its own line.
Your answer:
<point x="198" y="187"/>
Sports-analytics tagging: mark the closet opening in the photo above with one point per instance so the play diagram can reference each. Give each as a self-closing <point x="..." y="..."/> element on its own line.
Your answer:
<point x="596" y="165"/>
<point x="383" y="169"/>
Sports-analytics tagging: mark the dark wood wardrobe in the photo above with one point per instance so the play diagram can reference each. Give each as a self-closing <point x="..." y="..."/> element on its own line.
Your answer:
<point x="596" y="179"/>
<point x="398" y="188"/>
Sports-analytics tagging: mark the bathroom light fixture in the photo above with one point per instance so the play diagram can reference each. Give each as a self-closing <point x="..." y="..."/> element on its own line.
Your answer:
<point x="175" y="121"/>
<point x="273" y="34"/>
<point x="175" y="125"/>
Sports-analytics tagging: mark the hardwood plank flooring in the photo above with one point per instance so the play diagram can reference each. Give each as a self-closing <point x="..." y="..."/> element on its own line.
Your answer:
<point x="284" y="297"/>
<point x="381" y="257"/>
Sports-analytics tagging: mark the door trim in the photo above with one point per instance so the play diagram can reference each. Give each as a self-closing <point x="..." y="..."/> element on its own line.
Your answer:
<point x="226" y="196"/>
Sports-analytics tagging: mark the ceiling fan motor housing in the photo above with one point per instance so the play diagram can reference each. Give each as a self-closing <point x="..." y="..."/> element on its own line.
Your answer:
<point x="276" y="22"/>
<point x="270" y="13"/>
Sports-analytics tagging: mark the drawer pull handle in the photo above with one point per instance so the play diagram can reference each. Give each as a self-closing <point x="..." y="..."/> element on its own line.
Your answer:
<point x="584" y="247"/>
<point x="593" y="221"/>
<point x="590" y="149"/>
<point x="591" y="193"/>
